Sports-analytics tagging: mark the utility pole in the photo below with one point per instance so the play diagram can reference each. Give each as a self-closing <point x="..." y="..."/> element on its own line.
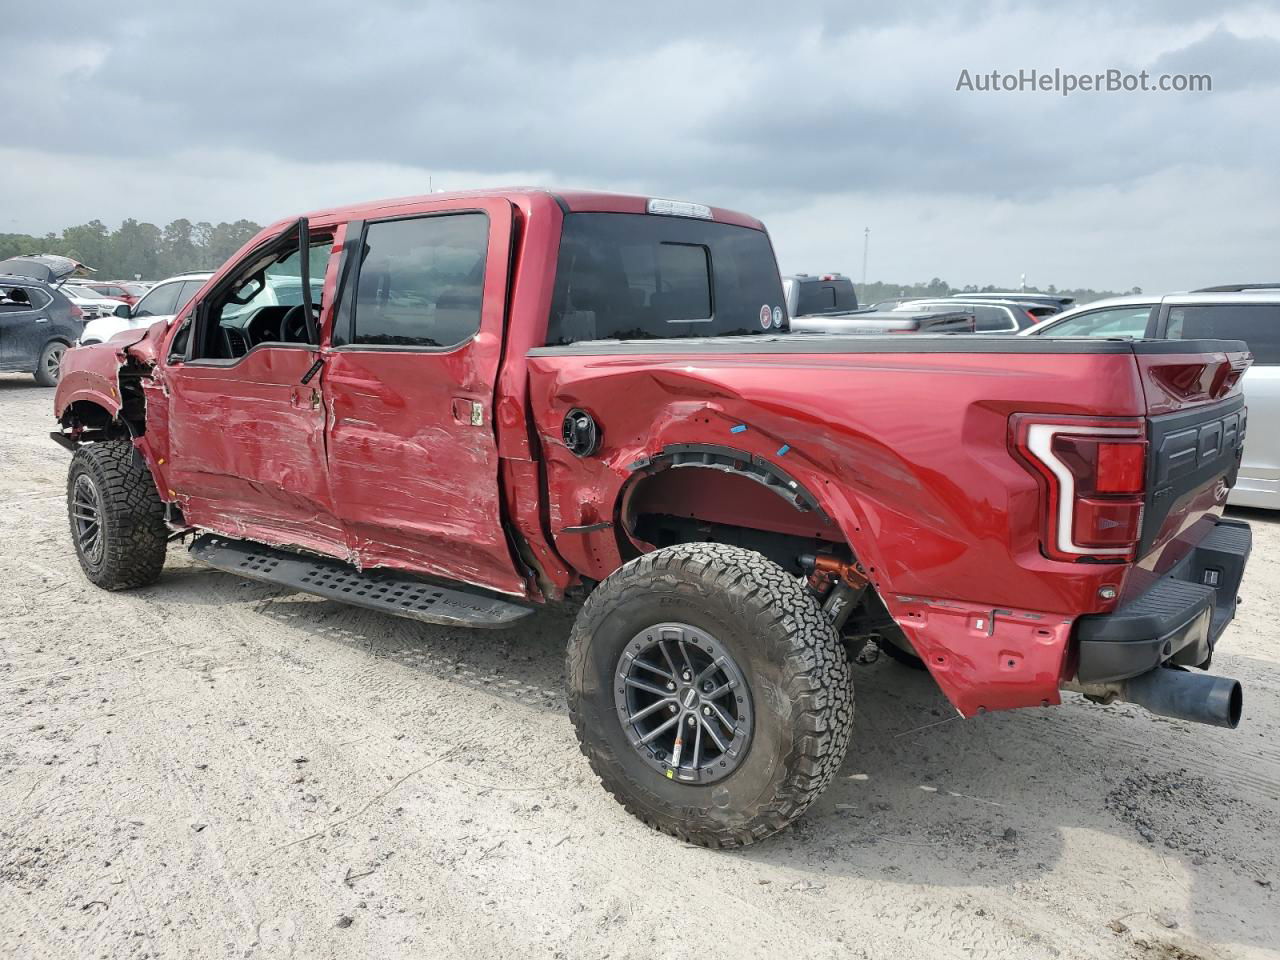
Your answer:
<point x="866" y="242"/>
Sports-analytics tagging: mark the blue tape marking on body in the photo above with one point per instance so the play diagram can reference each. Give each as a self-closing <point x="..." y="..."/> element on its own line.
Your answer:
<point x="783" y="450"/>
<point x="740" y="428"/>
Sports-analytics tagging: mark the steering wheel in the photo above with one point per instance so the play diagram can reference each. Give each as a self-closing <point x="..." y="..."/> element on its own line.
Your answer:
<point x="293" y="325"/>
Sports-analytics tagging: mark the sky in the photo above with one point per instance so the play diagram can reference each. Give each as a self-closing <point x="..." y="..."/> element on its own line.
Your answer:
<point x="824" y="119"/>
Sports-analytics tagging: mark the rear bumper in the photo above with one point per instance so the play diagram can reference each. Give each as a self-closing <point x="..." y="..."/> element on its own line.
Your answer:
<point x="1177" y="621"/>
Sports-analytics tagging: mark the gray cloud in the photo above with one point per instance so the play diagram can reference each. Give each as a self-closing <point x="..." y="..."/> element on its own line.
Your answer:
<point x="1235" y="62"/>
<point x="768" y="103"/>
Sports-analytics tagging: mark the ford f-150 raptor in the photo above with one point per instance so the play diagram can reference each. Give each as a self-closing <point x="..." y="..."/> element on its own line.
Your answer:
<point x="509" y="398"/>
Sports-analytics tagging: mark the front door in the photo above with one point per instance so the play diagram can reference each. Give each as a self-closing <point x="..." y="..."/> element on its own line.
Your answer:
<point x="409" y="384"/>
<point x="246" y="427"/>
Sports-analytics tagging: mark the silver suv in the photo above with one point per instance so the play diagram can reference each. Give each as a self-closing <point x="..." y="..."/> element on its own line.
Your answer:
<point x="1248" y="312"/>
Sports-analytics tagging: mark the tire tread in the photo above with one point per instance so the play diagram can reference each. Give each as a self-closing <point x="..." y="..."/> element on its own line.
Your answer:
<point x="815" y="667"/>
<point x="136" y="538"/>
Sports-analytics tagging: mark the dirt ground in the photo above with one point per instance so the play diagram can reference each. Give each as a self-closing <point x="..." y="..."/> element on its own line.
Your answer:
<point x="215" y="768"/>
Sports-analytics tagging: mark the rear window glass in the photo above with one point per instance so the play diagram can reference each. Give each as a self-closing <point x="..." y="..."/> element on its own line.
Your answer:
<point x="1258" y="325"/>
<point x="640" y="277"/>
<point x="826" y="297"/>
<point x="421" y="281"/>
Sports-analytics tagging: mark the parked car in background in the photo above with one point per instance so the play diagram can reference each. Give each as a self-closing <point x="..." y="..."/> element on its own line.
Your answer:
<point x="1239" y="288"/>
<point x="1242" y="312"/>
<point x="809" y="295"/>
<point x="127" y="291"/>
<point x="37" y="325"/>
<point x="162" y="302"/>
<point x="1051" y="302"/>
<point x="91" y="303"/>
<point x="890" y="302"/>
<point x="878" y="322"/>
<point x="990" y="316"/>
<point x="51" y="268"/>
<point x="1126" y="316"/>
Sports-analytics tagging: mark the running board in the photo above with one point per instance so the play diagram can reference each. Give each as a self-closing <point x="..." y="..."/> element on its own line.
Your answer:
<point x="390" y="591"/>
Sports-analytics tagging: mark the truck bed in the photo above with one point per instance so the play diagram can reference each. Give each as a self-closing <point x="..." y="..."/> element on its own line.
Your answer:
<point x="905" y="444"/>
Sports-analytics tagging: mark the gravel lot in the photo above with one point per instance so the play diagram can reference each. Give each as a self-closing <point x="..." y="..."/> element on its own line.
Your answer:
<point x="215" y="768"/>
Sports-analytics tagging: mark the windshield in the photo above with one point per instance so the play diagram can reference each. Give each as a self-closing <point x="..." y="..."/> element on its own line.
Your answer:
<point x="640" y="276"/>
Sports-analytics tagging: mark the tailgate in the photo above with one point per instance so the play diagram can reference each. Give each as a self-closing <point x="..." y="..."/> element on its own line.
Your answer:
<point x="1195" y="429"/>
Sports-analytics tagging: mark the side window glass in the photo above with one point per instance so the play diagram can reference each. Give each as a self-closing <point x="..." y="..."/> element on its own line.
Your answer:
<point x="421" y="281"/>
<point x="15" y="300"/>
<point x="160" y="302"/>
<point x="1256" y="324"/>
<point x="992" y="319"/>
<point x="1116" y="322"/>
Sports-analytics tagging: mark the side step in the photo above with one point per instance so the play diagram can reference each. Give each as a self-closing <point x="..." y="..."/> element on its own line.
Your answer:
<point x="390" y="591"/>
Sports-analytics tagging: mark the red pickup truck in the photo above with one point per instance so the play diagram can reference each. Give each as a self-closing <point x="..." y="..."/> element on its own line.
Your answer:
<point x="510" y="398"/>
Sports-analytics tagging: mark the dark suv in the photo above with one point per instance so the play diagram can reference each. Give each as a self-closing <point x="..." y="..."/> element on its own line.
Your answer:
<point x="37" y="325"/>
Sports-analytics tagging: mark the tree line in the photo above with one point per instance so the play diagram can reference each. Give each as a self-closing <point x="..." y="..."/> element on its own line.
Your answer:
<point x="138" y="249"/>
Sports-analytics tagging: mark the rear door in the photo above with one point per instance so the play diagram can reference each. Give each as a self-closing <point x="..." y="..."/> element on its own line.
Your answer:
<point x="24" y="323"/>
<point x="1258" y="325"/>
<point x="409" y="386"/>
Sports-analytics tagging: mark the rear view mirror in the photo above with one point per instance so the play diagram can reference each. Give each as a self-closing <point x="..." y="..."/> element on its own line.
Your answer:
<point x="122" y="311"/>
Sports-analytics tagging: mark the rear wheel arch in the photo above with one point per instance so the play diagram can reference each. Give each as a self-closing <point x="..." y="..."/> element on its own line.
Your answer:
<point x="725" y="488"/>
<point x="760" y="507"/>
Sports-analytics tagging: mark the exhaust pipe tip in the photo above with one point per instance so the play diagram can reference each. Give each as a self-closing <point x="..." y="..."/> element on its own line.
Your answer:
<point x="1198" y="697"/>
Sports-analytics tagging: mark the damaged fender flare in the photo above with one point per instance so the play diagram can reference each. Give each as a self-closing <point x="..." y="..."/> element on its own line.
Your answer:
<point x="730" y="460"/>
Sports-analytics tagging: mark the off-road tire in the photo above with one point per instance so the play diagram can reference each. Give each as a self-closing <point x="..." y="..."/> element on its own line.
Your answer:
<point x="48" y="371"/>
<point x="795" y="668"/>
<point x="134" y="536"/>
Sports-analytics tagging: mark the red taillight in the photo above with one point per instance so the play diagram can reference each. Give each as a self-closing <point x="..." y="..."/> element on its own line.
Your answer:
<point x="76" y="312"/>
<point x="1092" y="472"/>
<point x="1122" y="467"/>
<point x="1103" y="466"/>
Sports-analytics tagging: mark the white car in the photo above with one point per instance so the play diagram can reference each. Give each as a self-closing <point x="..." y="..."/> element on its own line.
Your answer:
<point x="162" y="302"/>
<point x="91" y="303"/>
<point x="1220" y="313"/>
